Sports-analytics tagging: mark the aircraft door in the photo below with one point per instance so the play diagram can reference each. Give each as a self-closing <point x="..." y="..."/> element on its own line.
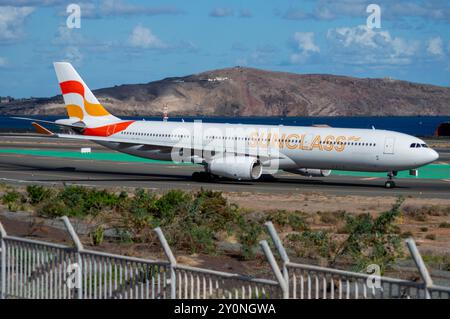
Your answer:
<point x="389" y="143"/>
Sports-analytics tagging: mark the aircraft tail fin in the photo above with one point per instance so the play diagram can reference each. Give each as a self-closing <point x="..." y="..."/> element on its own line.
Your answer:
<point x="81" y="104"/>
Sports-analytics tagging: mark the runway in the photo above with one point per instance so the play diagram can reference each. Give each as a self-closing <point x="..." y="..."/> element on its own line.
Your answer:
<point x="24" y="169"/>
<point x="50" y="170"/>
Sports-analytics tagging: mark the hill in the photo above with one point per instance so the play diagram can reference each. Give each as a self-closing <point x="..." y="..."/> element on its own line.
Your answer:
<point x="240" y="91"/>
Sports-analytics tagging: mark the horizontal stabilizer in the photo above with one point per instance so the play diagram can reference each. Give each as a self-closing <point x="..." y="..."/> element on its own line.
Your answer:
<point x="77" y="125"/>
<point x="42" y="130"/>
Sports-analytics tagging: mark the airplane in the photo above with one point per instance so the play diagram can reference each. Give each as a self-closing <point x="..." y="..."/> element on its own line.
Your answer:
<point x="236" y="151"/>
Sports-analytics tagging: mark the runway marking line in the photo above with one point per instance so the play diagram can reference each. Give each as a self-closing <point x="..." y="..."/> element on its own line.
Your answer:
<point x="38" y="174"/>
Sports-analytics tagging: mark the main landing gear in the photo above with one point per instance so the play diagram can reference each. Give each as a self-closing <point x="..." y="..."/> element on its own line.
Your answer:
<point x="390" y="182"/>
<point x="203" y="177"/>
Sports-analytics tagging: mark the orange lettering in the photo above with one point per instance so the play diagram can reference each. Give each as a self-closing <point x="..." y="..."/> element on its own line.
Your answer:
<point x="339" y="147"/>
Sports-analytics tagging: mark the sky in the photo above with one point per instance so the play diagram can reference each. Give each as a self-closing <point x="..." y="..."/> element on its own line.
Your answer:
<point x="131" y="41"/>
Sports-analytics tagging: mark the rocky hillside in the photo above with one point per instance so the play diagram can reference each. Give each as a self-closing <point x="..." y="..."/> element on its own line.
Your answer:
<point x="243" y="91"/>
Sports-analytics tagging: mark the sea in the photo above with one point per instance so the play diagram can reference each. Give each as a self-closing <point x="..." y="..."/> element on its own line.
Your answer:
<point x="422" y="126"/>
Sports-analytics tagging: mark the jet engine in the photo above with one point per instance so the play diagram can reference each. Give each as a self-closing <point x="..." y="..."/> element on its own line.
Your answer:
<point x="311" y="172"/>
<point x="236" y="167"/>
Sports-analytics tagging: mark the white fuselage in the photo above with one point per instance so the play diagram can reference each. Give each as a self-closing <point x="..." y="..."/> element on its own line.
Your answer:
<point x="293" y="146"/>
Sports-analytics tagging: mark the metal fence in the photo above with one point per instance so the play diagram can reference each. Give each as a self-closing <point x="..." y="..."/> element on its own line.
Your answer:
<point x="37" y="269"/>
<point x="313" y="282"/>
<point x="192" y="282"/>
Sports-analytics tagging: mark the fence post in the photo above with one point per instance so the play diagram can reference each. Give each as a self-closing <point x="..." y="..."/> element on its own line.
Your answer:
<point x="79" y="248"/>
<point x="280" y="248"/>
<point x="276" y="270"/>
<point x="417" y="257"/>
<point x="3" y="262"/>
<point x="172" y="260"/>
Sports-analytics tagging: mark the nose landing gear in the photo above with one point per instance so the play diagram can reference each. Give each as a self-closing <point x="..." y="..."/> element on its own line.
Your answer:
<point x="390" y="182"/>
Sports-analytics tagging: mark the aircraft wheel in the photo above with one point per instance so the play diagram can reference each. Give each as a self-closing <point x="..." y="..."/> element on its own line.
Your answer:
<point x="389" y="184"/>
<point x="196" y="176"/>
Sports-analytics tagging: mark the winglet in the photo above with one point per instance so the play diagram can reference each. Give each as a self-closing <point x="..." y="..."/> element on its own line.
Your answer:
<point x="42" y="130"/>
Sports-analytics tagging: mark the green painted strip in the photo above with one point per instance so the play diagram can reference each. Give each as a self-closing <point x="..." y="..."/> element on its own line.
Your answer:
<point x="99" y="156"/>
<point x="432" y="171"/>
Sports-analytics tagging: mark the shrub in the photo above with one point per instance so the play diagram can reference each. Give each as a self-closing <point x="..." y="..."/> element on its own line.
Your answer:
<point x="87" y="201"/>
<point x="192" y="221"/>
<point x="424" y="229"/>
<point x="283" y="218"/>
<point x="13" y="200"/>
<point x="37" y="194"/>
<point x="124" y="235"/>
<point x="98" y="200"/>
<point x="444" y="225"/>
<point x="97" y="235"/>
<point x="373" y="240"/>
<point x="212" y="209"/>
<point x="369" y="240"/>
<point x="142" y="204"/>
<point x="313" y="244"/>
<point x="430" y="237"/>
<point x="53" y="208"/>
<point x="73" y="201"/>
<point x="11" y="197"/>
<point x="201" y="239"/>
<point x="167" y="205"/>
<point x="248" y="235"/>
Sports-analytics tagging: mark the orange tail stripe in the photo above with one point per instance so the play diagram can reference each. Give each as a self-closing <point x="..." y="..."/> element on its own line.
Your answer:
<point x="107" y="130"/>
<point x="94" y="109"/>
<point x="72" y="87"/>
<point x="75" y="111"/>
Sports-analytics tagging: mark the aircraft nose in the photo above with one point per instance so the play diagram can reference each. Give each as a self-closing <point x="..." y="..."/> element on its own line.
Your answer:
<point x="433" y="155"/>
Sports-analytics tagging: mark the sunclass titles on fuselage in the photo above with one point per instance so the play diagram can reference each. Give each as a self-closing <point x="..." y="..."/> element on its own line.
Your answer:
<point x="298" y="141"/>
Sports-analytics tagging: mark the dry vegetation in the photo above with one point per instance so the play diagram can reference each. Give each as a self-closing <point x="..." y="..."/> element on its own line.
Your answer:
<point x="351" y="231"/>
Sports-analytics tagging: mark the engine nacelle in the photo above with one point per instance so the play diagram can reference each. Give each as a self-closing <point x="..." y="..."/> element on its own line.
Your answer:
<point x="236" y="167"/>
<point x="311" y="172"/>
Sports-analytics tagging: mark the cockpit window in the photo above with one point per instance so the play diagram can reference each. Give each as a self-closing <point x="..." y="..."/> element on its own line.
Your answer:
<point x="417" y="145"/>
